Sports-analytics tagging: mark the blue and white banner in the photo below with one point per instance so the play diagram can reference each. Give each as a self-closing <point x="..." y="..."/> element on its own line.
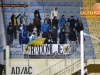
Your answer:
<point x="46" y="49"/>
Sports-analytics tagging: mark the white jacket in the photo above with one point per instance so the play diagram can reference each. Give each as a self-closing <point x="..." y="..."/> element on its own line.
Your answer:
<point x="54" y="13"/>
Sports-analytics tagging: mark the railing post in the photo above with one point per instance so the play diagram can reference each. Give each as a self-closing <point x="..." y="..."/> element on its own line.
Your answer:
<point x="65" y="59"/>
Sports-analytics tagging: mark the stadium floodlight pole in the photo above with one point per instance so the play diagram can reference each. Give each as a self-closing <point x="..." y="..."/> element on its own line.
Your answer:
<point x="82" y="52"/>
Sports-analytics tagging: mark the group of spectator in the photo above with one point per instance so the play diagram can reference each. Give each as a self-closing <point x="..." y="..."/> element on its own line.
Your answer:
<point x="69" y="29"/>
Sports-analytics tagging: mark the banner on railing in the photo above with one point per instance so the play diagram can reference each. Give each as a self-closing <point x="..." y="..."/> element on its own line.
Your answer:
<point x="46" y="49"/>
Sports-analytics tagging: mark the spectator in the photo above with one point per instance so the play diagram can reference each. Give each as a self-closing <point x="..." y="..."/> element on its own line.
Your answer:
<point x="55" y="13"/>
<point x="72" y="22"/>
<point x="37" y="23"/>
<point x="49" y="20"/>
<point x="20" y="27"/>
<point x="10" y="33"/>
<point x="30" y="27"/>
<point x="79" y="27"/>
<point x="49" y="32"/>
<point x="14" y="23"/>
<point x="32" y="37"/>
<point x="55" y="22"/>
<point x="67" y="30"/>
<point x="62" y="21"/>
<point x="23" y="18"/>
<point x="85" y="71"/>
<point x="35" y="30"/>
<point x="62" y="36"/>
<point x="54" y="35"/>
<point x="24" y="37"/>
<point x="73" y="39"/>
<point x="44" y="28"/>
<point x="50" y="40"/>
<point x="37" y="12"/>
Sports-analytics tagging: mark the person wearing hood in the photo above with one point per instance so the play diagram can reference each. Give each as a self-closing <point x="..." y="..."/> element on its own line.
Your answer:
<point x="55" y="22"/>
<point x="15" y="24"/>
<point x="55" y="13"/>
<point x="10" y="33"/>
<point x="24" y="37"/>
<point x="62" y="21"/>
<point x="37" y="23"/>
<point x="49" y="20"/>
<point x="37" y="12"/>
<point x="49" y="32"/>
<point x="54" y="35"/>
<point x="20" y="27"/>
<point x="44" y="28"/>
<point x="62" y="36"/>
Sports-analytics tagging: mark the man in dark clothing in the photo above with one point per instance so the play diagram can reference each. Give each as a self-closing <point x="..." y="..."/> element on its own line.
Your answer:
<point x="55" y="22"/>
<point x="49" y="32"/>
<point x="37" y="23"/>
<point x="49" y="20"/>
<point x="37" y="12"/>
<point x="10" y="33"/>
<point x="20" y="27"/>
<point x="73" y="39"/>
<point x="49" y="40"/>
<point x="54" y="35"/>
<point x="79" y="27"/>
<point x="85" y="71"/>
<point x="15" y="23"/>
<point x="72" y="22"/>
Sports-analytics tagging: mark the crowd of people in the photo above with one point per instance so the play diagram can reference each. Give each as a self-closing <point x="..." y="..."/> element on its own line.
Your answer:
<point x="69" y="29"/>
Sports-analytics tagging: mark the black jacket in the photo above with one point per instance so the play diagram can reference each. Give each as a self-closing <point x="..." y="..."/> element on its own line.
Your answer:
<point x="10" y="29"/>
<point x="54" y="35"/>
<point x="72" y="36"/>
<point x="79" y="27"/>
<point x="12" y="19"/>
<point x="72" y="22"/>
<point x="37" y="22"/>
<point x="30" y="27"/>
<point x="55" y="23"/>
<point x="62" y="36"/>
<point x="37" y="12"/>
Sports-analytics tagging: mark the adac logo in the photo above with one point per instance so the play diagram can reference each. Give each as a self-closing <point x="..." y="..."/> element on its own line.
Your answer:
<point x="66" y="48"/>
<point x="26" y="49"/>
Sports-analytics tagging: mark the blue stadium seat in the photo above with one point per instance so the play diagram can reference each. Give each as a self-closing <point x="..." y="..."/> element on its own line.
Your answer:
<point x="11" y="2"/>
<point x="42" y="17"/>
<point x="18" y="3"/>
<point x="32" y="4"/>
<point x="84" y="24"/>
<point x="46" y="4"/>
<point x="86" y="31"/>
<point x="12" y="52"/>
<point x="39" y="4"/>
<point x="60" y="11"/>
<point x="74" y="11"/>
<point x="6" y="23"/>
<point x="91" y="53"/>
<point x="79" y="3"/>
<point x="41" y="10"/>
<point x="28" y="17"/>
<point x="75" y="17"/>
<point x="6" y="10"/>
<point x="13" y="10"/>
<point x="26" y="10"/>
<point x="66" y="4"/>
<point x="5" y="2"/>
<point x="72" y="4"/>
<point x="18" y="52"/>
<point x="89" y="46"/>
<point x="59" y="4"/>
<point x="67" y="11"/>
<point x="87" y="38"/>
<point x="52" y="4"/>
<point x="20" y="10"/>
<point x="85" y="53"/>
<point x="7" y="17"/>
<point x="47" y="11"/>
<point x="17" y="45"/>
<point x="26" y="3"/>
<point x="33" y="10"/>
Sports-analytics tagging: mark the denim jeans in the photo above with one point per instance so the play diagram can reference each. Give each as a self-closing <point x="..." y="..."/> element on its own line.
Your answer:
<point x="10" y="38"/>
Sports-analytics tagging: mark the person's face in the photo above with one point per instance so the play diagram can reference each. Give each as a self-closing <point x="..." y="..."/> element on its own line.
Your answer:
<point x="85" y="71"/>
<point x="80" y="22"/>
<point x="31" y="22"/>
<point x="45" y="21"/>
<point x="47" y="16"/>
<point x="11" y="24"/>
<point x="49" y="36"/>
<point x="56" y="9"/>
<point x="63" y="30"/>
<point x="66" y="22"/>
<point x="36" y="15"/>
<point x="63" y="16"/>
<point x="71" y="17"/>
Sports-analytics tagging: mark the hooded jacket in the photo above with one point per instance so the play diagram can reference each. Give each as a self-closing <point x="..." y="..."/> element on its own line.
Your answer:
<point x="79" y="27"/>
<point x="10" y="29"/>
<point x="44" y="27"/>
<point x="54" y="13"/>
<point x="37" y="12"/>
<point x="72" y="35"/>
<point x="62" y="22"/>
<point x="30" y="27"/>
<point x="55" y="22"/>
<point x="62" y="36"/>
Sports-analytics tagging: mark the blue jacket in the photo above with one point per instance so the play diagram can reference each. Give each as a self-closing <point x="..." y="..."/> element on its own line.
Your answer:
<point x="44" y="27"/>
<point x="62" y="22"/>
<point x="24" y="37"/>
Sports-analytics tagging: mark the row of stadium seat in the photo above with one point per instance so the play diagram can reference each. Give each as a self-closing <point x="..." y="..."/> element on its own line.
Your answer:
<point x="18" y="52"/>
<point x="47" y="4"/>
<point x="26" y="10"/>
